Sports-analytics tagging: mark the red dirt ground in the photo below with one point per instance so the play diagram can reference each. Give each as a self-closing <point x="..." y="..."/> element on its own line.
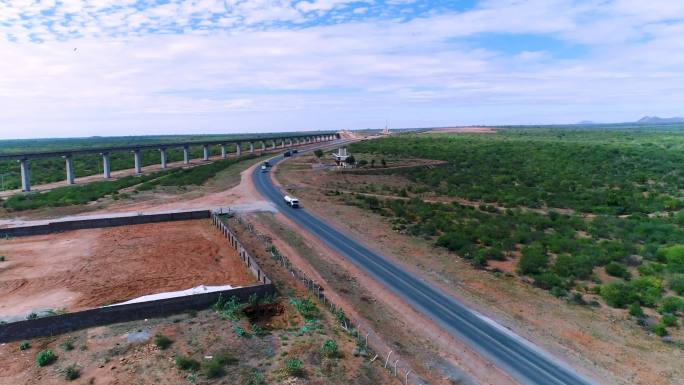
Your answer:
<point x="86" y="268"/>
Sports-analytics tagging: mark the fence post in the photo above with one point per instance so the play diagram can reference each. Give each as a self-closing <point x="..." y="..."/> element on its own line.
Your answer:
<point x="388" y="356"/>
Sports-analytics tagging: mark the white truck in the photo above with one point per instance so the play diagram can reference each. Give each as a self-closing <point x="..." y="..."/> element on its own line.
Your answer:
<point x="264" y="168"/>
<point x="291" y="201"/>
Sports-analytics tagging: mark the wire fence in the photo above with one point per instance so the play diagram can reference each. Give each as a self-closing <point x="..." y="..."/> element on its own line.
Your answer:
<point x="369" y="344"/>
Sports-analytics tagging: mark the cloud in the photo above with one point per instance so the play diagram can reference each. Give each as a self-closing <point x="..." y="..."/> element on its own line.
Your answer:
<point x="213" y="66"/>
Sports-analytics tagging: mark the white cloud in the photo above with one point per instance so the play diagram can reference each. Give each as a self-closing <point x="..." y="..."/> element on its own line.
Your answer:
<point x="253" y="76"/>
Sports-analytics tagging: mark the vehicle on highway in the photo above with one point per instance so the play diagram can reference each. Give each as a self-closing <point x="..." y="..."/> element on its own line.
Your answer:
<point x="287" y="153"/>
<point x="267" y="164"/>
<point x="291" y="201"/>
<point x="264" y="168"/>
<point x="295" y="151"/>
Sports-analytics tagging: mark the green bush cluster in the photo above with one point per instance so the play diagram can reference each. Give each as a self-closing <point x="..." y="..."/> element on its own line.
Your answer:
<point x="187" y="363"/>
<point x="215" y="367"/>
<point x="330" y="349"/>
<point x="306" y="308"/>
<point x="71" y="372"/>
<point x="293" y="367"/>
<point x="45" y="357"/>
<point x="162" y="341"/>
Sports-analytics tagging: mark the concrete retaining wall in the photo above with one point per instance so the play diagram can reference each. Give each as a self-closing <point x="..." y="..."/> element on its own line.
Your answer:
<point x="242" y="252"/>
<point x="79" y="224"/>
<point x="63" y="323"/>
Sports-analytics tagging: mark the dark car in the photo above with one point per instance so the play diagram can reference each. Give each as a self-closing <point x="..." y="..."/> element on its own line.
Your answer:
<point x="287" y="153"/>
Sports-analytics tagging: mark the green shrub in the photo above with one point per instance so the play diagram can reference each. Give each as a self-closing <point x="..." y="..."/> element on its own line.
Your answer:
<point x="533" y="260"/>
<point x="677" y="283"/>
<point x="635" y="310"/>
<point x="329" y="349"/>
<point x="618" y="294"/>
<point x="68" y="344"/>
<point x="224" y="357"/>
<point x="672" y="305"/>
<point x="45" y="357"/>
<point x="71" y="372"/>
<point x="293" y="367"/>
<point x="307" y="309"/>
<point x="24" y="345"/>
<point x="258" y="331"/>
<point x="162" y="341"/>
<point x="241" y="332"/>
<point x="659" y="330"/>
<point x="573" y="266"/>
<point x="255" y="377"/>
<point x="187" y="363"/>
<point x="2" y="258"/>
<point x="674" y="256"/>
<point x="230" y="309"/>
<point x="318" y="153"/>
<point x="617" y="270"/>
<point x="212" y="369"/>
<point x="669" y="320"/>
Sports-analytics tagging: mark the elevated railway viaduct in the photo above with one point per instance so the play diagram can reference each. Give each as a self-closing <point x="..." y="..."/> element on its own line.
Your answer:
<point x="273" y="142"/>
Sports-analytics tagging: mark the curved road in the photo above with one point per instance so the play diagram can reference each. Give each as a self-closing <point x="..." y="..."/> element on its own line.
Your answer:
<point x="518" y="357"/>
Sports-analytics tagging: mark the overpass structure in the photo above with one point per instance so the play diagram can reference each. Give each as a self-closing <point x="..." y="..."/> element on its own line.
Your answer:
<point x="265" y="143"/>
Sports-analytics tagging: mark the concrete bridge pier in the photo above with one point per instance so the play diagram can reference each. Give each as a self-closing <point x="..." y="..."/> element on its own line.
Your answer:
<point x="273" y="145"/>
<point x="251" y="147"/>
<point x="69" y="169"/>
<point x="263" y="146"/>
<point x="238" y="149"/>
<point x="205" y="149"/>
<point x="25" y="183"/>
<point x="137" y="161"/>
<point x="162" y="153"/>
<point x="282" y="143"/>
<point x="106" y="171"/>
<point x="223" y="151"/>
<point x="186" y="155"/>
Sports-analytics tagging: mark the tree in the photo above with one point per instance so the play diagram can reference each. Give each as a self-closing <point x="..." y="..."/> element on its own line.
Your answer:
<point x="372" y="162"/>
<point x="350" y="160"/>
<point x="533" y="260"/>
<point x="617" y="270"/>
<point x="618" y="294"/>
<point x="318" y="153"/>
<point x="383" y="162"/>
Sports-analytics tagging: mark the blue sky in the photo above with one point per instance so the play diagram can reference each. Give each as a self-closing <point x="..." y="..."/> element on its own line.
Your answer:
<point x="123" y="67"/>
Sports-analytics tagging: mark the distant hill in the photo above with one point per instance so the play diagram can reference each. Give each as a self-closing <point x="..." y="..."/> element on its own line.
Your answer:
<point x="657" y="120"/>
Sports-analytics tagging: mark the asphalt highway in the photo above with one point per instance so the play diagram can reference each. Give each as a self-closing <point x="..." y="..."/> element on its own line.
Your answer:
<point x="518" y="357"/>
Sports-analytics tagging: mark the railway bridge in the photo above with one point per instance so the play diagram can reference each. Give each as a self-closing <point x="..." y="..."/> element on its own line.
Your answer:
<point x="264" y="143"/>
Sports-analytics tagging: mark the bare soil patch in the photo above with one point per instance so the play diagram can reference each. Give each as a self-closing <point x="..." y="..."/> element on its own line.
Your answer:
<point x="86" y="268"/>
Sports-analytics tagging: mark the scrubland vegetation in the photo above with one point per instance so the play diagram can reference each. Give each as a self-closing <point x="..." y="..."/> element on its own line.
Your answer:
<point x="580" y="212"/>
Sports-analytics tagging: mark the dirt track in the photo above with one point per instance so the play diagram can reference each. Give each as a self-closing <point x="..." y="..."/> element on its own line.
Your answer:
<point x="87" y="268"/>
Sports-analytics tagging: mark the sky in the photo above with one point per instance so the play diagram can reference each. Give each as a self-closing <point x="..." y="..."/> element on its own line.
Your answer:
<point x="136" y="67"/>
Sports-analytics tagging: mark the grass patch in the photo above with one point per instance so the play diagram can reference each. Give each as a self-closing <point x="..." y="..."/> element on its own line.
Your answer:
<point x="162" y="341"/>
<point x="71" y="372"/>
